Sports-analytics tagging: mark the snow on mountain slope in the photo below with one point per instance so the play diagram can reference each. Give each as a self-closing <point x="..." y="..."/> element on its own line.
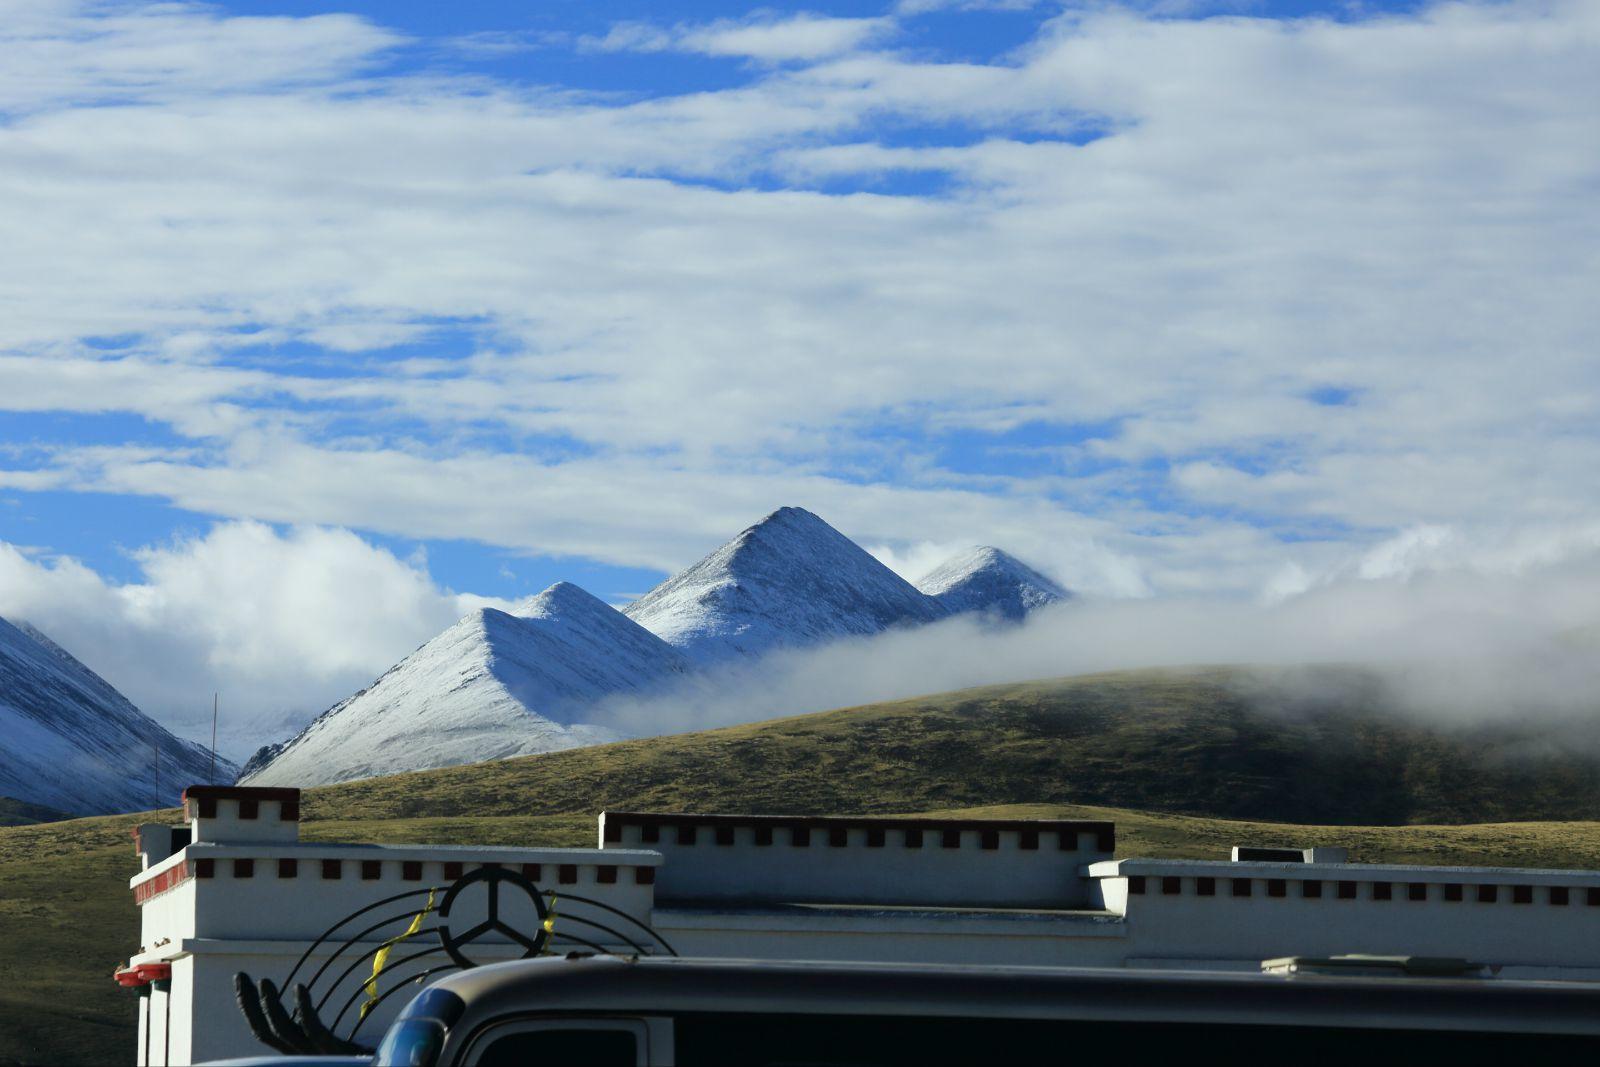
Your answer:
<point x="791" y="579"/>
<point x="491" y="686"/>
<point x="992" y="582"/>
<point x="74" y="743"/>
<point x="603" y="651"/>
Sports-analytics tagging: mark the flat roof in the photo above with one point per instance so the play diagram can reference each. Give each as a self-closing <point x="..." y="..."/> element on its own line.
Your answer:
<point x="1351" y="872"/>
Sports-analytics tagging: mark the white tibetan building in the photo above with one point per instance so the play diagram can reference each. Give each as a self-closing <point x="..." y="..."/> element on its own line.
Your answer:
<point x="235" y="890"/>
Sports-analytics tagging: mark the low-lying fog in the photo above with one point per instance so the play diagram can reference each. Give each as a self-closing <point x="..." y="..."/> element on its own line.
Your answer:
<point x="1459" y="647"/>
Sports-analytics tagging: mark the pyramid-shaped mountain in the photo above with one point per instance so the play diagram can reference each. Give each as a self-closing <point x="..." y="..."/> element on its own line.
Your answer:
<point x="493" y="685"/>
<point x="73" y="743"/>
<point x="789" y="580"/>
<point x="991" y="582"/>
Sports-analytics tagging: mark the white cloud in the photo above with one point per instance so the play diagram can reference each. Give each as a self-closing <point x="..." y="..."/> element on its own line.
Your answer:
<point x="1450" y="645"/>
<point x="65" y="53"/>
<point x="1399" y="205"/>
<point x="760" y="37"/>
<point x="281" y="624"/>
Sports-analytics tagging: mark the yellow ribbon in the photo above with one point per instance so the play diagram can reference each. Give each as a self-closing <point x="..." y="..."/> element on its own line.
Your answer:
<point x="382" y="957"/>
<point x="550" y="920"/>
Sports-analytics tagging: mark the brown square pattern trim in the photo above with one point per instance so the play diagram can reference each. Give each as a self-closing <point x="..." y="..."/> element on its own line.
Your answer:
<point x="949" y="832"/>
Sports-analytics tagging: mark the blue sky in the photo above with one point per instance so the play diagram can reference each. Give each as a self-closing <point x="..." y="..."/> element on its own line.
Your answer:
<point x="462" y="299"/>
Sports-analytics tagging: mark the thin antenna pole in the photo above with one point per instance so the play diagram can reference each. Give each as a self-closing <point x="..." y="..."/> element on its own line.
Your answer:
<point x="155" y="766"/>
<point x="213" y="778"/>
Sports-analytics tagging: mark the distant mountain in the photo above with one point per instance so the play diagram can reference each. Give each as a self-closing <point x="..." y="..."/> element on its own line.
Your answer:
<point x="789" y="580"/>
<point x="75" y="744"/>
<point x="501" y="684"/>
<point x="991" y="582"/>
<point x="493" y="685"/>
<point x="20" y="813"/>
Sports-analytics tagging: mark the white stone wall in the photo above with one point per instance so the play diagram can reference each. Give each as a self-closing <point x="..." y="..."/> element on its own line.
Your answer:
<point x="866" y="861"/>
<point x="1177" y="911"/>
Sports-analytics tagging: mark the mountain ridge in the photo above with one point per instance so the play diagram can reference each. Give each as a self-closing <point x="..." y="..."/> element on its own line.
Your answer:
<point x="493" y="685"/>
<point x="786" y="581"/>
<point x="73" y="743"/>
<point x="989" y="581"/>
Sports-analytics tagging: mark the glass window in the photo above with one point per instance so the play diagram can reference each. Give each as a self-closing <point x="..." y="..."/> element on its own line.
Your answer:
<point x="603" y="1042"/>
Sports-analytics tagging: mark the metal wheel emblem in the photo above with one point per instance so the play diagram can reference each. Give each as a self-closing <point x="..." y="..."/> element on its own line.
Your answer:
<point x="495" y="877"/>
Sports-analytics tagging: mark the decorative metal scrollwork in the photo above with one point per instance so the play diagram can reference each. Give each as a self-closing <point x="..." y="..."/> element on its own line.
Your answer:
<point x="302" y="1031"/>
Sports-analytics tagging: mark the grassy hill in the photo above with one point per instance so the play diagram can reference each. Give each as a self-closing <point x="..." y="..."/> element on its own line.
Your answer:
<point x="1185" y="762"/>
<point x="1316" y="746"/>
<point x="21" y="813"/>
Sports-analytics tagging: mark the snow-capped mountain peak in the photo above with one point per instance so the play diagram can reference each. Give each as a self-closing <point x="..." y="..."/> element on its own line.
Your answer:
<point x="73" y="743"/>
<point x="500" y="683"/>
<point x="789" y="580"/>
<point x="493" y="685"/>
<point x="987" y="580"/>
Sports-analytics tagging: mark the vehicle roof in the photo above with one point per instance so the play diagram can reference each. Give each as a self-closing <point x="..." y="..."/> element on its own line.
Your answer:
<point x="667" y="985"/>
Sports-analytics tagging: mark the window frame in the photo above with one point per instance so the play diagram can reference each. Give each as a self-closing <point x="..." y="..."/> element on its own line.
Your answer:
<point x="652" y="1034"/>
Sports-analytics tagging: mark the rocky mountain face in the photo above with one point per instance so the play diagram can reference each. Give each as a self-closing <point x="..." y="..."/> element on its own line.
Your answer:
<point x="991" y="582"/>
<point x="73" y="743"/>
<point x="500" y="684"/>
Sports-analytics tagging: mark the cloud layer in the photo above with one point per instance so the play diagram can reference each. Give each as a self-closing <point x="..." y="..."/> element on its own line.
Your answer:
<point x="1455" y="646"/>
<point x="1171" y="240"/>
<point x="280" y="624"/>
<point x="1212" y="307"/>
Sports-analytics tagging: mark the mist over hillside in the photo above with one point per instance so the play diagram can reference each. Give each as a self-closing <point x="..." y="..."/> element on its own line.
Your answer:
<point x="1451" y="648"/>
